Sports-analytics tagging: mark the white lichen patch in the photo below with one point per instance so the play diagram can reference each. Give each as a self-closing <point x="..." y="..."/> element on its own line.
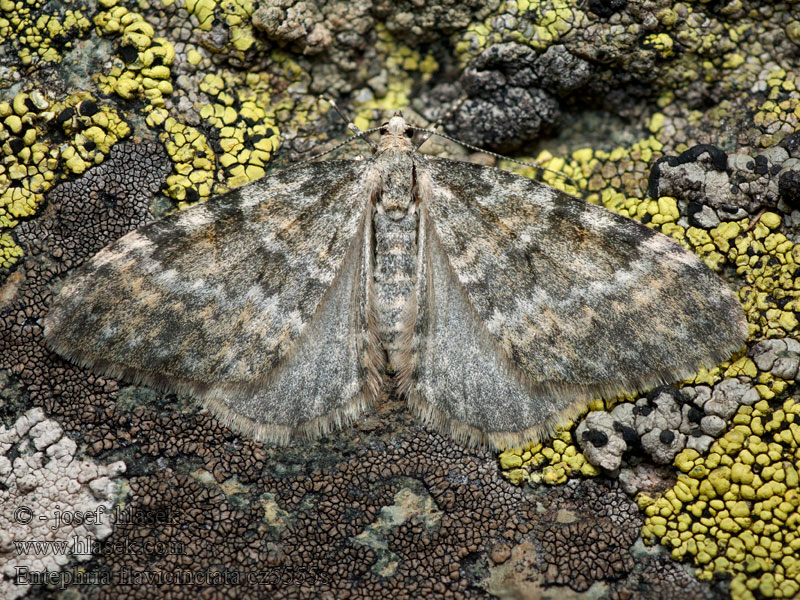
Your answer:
<point x="54" y="508"/>
<point x="411" y="503"/>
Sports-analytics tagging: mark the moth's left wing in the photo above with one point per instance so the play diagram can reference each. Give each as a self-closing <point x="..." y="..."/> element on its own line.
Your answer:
<point x="255" y="302"/>
<point x="571" y="300"/>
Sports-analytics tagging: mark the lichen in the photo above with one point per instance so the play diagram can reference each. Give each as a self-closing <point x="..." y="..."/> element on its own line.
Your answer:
<point x="37" y="32"/>
<point x="735" y="510"/>
<point x="54" y="507"/>
<point x="44" y="140"/>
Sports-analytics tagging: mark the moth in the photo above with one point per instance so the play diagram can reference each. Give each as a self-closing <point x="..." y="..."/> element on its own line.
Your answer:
<point x="500" y="305"/>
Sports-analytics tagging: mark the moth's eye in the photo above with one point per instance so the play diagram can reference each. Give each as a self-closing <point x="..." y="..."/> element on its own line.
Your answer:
<point x="409" y="132"/>
<point x="384" y="129"/>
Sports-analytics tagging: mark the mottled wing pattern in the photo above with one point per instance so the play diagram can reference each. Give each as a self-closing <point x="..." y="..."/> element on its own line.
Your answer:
<point x="458" y="380"/>
<point x="255" y="302"/>
<point x="533" y="302"/>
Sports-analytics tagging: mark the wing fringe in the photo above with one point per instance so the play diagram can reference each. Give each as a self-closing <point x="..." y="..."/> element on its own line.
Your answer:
<point x="471" y="436"/>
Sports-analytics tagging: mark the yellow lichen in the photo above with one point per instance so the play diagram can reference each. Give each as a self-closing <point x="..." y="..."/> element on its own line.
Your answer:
<point x="147" y="74"/>
<point x="37" y="35"/>
<point x="739" y="504"/>
<point x="551" y="463"/>
<point x="661" y="43"/>
<point x="33" y="128"/>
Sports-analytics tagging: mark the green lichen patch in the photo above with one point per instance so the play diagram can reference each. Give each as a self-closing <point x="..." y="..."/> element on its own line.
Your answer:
<point x="735" y="511"/>
<point x="192" y="157"/>
<point x="143" y="66"/>
<point x="779" y="114"/>
<point x="403" y="67"/>
<point x="537" y="23"/>
<point x="245" y="116"/>
<point x="766" y="261"/>
<point x="552" y="463"/>
<point x="239" y="136"/>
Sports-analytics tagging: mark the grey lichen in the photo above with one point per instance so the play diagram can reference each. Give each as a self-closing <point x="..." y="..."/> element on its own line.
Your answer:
<point x="53" y="505"/>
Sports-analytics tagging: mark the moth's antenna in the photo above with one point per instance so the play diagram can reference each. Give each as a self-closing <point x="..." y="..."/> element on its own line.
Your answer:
<point x="446" y="116"/>
<point x="495" y="154"/>
<point x="350" y="125"/>
<point x="360" y="134"/>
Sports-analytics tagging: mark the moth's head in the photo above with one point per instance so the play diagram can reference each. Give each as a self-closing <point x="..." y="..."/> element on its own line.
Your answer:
<point x="396" y="133"/>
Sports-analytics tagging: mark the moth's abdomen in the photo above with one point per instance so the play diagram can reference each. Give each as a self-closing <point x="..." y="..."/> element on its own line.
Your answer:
<point x="395" y="257"/>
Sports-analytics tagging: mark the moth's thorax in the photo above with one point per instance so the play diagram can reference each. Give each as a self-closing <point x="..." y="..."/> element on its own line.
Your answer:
<point x="394" y="189"/>
<point x="396" y="136"/>
<point x="395" y="226"/>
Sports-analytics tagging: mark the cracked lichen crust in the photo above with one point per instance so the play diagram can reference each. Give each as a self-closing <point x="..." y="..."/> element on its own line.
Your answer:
<point x="518" y="303"/>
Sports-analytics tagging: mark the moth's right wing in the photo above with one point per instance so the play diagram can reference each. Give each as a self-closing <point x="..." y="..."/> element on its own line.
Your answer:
<point x="530" y="303"/>
<point x="255" y="302"/>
